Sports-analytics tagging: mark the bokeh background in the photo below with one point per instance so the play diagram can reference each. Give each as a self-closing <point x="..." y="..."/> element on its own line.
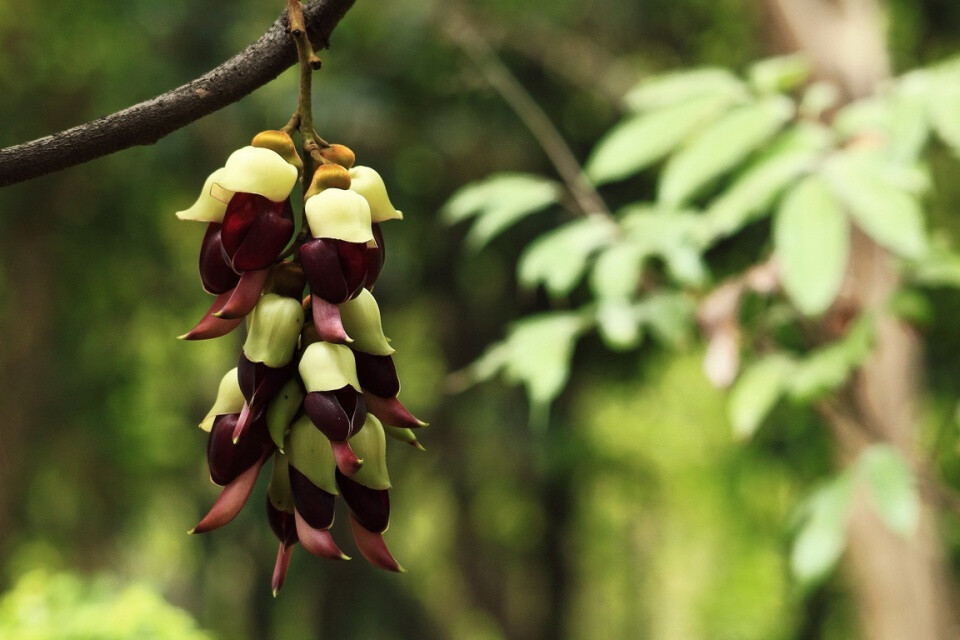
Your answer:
<point x="633" y="514"/>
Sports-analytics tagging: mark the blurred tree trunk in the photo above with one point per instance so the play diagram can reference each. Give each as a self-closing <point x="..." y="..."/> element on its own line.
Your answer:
<point x="901" y="586"/>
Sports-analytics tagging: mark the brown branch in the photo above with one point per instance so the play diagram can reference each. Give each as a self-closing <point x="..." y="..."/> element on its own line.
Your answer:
<point x="149" y="121"/>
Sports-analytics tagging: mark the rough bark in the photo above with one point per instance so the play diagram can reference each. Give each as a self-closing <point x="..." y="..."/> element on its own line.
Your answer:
<point x="901" y="585"/>
<point x="149" y="121"/>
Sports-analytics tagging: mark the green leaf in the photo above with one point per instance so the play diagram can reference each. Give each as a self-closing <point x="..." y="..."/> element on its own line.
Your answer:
<point x="673" y="88"/>
<point x="756" y="392"/>
<point x="685" y="266"/>
<point x="818" y="98"/>
<point x="781" y="74"/>
<point x="616" y="273"/>
<point x="944" y="104"/>
<point x="755" y="191"/>
<point x="822" y="537"/>
<point x="870" y="115"/>
<point x="811" y="238"/>
<point x="887" y="213"/>
<point x="619" y="325"/>
<point x="669" y="317"/>
<point x="891" y="486"/>
<point x="641" y="140"/>
<point x="721" y="147"/>
<point x="939" y="267"/>
<point x="828" y="367"/>
<point x="558" y="258"/>
<point x="909" y="126"/>
<point x="498" y="202"/>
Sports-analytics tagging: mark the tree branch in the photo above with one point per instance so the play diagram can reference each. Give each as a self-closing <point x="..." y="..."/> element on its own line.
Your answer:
<point x="149" y="121"/>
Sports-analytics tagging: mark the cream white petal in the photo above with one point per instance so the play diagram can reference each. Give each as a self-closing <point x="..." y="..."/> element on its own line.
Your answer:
<point x="260" y="171"/>
<point x="210" y="205"/>
<point x="340" y="214"/>
<point x="368" y="183"/>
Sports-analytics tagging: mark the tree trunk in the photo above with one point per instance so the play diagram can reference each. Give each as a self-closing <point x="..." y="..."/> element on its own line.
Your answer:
<point x="901" y="585"/>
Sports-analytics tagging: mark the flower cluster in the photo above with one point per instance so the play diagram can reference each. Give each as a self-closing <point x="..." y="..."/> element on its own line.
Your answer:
<point x="315" y="387"/>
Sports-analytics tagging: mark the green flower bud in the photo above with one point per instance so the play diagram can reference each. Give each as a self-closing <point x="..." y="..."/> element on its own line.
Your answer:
<point x="310" y="452"/>
<point x="281" y="410"/>
<point x="325" y="366"/>
<point x="229" y="399"/>
<point x="368" y="183"/>
<point x="361" y="321"/>
<point x="370" y="445"/>
<point x="274" y="327"/>
<point x="404" y="435"/>
<point x="339" y="214"/>
<point x="212" y="202"/>
<point x="260" y="171"/>
<point x="278" y="491"/>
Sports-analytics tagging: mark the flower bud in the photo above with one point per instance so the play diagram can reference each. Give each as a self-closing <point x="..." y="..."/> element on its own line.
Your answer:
<point x="278" y="491"/>
<point x="361" y="321"/>
<point x="212" y="202"/>
<point x="260" y="171"/>
<point x="255" y="231"/>
<point x="368" y="183"/>
<point x="281" y="143"/>
<point x="327" y="367"/>
<point x="404" y="435"/>
<point x="281" y="410"/>
<point x="339" y="214"/>
<point x="370" y="507"/>
<point x="216" y="274"/>
<point x="229" y="399"/>
<point x="340" y="154"/>
<point x="309" y="451"/>
<point x="226" y="460"/>
<point x="327" y="176"/>
<point x="273" y="329"/>
<point x="370" y="444"/>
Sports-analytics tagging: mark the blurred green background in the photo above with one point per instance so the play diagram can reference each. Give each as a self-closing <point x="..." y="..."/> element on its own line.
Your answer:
<point x="632" y="515"/>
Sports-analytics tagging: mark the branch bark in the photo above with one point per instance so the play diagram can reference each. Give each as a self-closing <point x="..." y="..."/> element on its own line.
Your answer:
<point x="149" y="121"/>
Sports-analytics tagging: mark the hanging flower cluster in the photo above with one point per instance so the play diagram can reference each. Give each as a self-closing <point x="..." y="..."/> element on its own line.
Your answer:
<point x="315" y="387"/>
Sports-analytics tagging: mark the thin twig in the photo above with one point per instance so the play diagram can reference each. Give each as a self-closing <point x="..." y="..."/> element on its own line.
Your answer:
<point x="527" y="109"/>
<point x="149" y="121"/>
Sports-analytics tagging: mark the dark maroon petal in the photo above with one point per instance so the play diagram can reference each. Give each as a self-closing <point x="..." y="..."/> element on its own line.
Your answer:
<point x="392" y="412"/>
<point x="319" y="542"/>
<point x="227" y="459"/>
<point x="321" y="265"/>
<point x="377" y="374"/>
<point x="215" y="272"/>
<point x="282" y="524"/>
<point x="353" y="262"/>
<point x="327" y="321"/>
<point x="374" y="257"/>
<point x="284" y="554"/>
<point x="231" y="499"/>
<point x="371" y="507"/>
<point x="255" y="231"/>
<point x="260" y="383"/>
<point x="211" y="326"/>
<point x="245" y="295"/>
<point x="266" y="238"/>
<point x="313" y="503"/>
<point x="328" y="415"/>
<point x="373" y="548"/>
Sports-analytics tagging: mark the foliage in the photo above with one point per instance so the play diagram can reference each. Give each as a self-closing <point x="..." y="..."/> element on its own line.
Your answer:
<point x="731" y="154"/>
<point x="44" y="606"/>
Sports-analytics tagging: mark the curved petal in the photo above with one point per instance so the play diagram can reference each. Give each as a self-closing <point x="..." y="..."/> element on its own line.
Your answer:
<point x="319" y="542"/>
<point x="231" y="499"/>
<point x="245" y="295"/>
<point x="212" y="326"/>
<point x="392" y="412"/>
<point x="284" y="554"/>
<point x="373" y="548"/>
